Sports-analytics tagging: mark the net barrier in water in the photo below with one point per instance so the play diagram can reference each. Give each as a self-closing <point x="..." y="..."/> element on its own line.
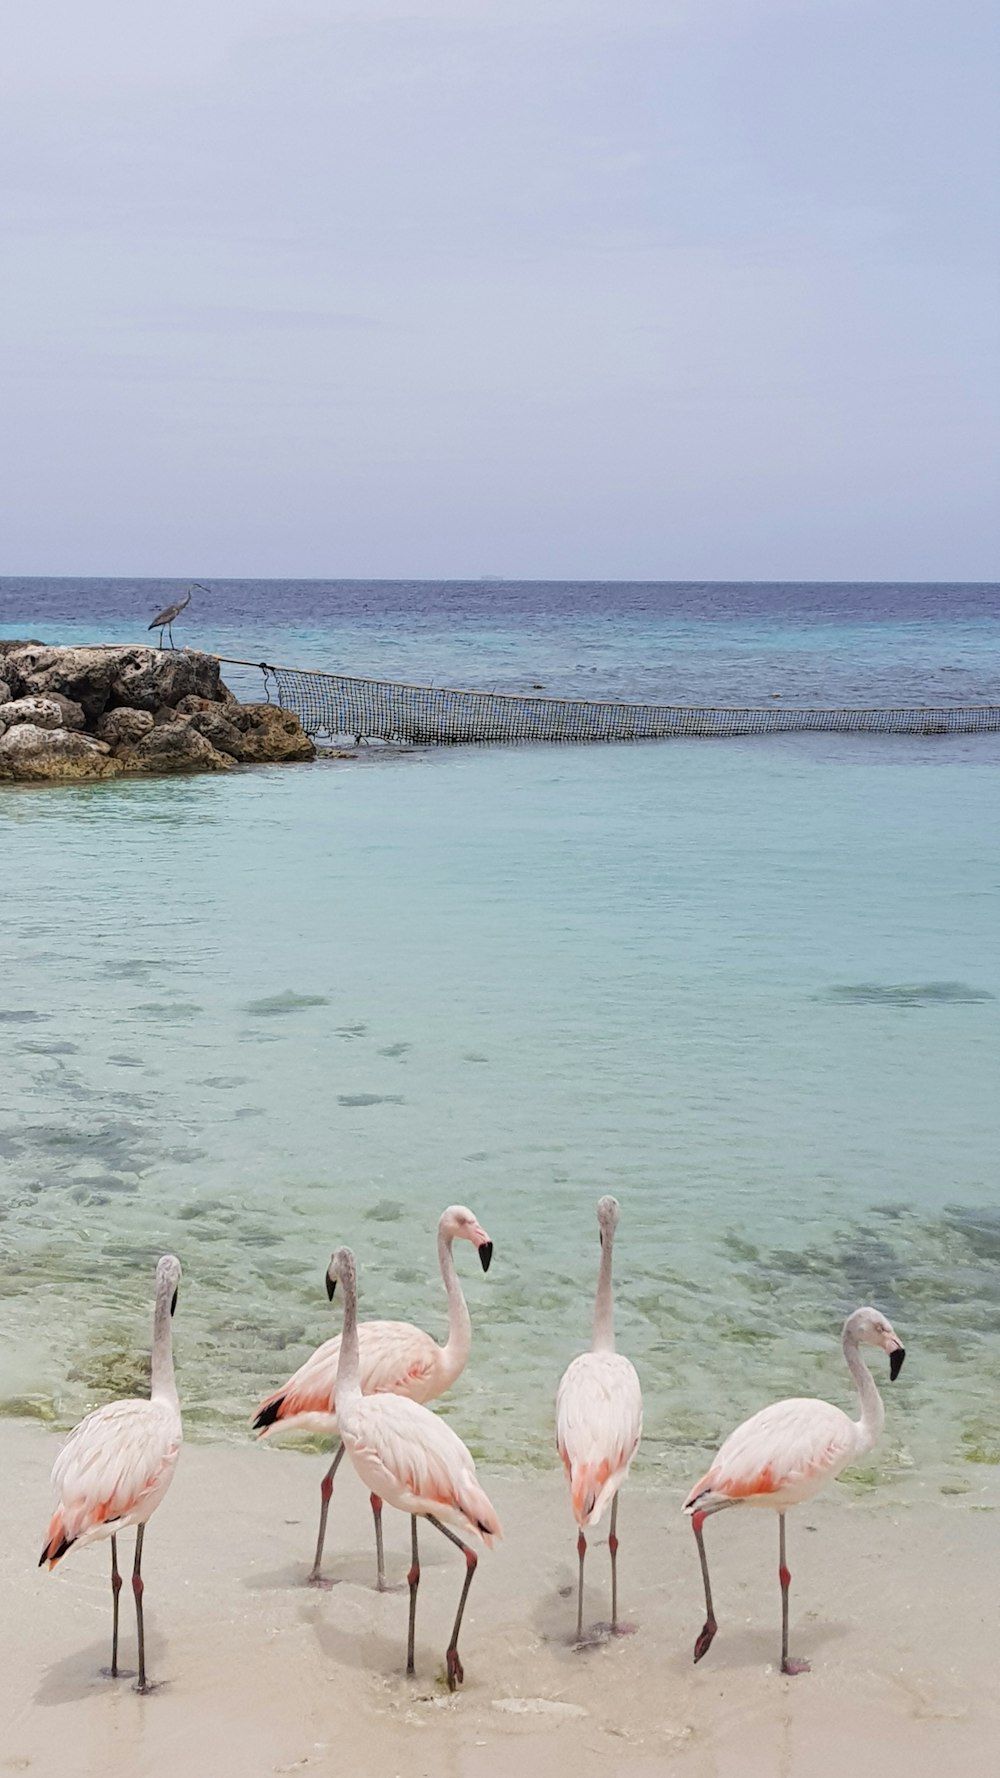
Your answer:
<point x="424" y="715"/>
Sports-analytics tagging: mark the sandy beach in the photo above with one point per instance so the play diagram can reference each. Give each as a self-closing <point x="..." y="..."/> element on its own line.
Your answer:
<point x="894" y="1602"/>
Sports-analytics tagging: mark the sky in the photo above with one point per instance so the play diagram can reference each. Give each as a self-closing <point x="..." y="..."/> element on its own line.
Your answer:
<point x="644" y="289"/>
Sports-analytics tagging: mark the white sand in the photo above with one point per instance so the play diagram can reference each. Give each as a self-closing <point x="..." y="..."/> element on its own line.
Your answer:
<point x="896" y="1604"/>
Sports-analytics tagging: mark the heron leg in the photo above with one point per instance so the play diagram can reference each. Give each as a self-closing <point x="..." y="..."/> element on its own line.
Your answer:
<point x="413" y="1580"/>
<point x="456" y="1673"/>
<point x="379" y="1546"/>
<point x="137" y="1589"/>
<point x="116" y="1587"/>
<point x="160" y="643"/>
<point x="710" y="1626"/>
<point x="315" y="1578"/>
<point x="788" y="1664"/>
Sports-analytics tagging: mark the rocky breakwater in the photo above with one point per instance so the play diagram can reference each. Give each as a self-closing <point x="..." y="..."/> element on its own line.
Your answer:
<point x="74" y="713"/>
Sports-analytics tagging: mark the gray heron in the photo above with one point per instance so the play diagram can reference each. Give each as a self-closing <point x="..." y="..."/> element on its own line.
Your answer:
<point x="164" y="619"/>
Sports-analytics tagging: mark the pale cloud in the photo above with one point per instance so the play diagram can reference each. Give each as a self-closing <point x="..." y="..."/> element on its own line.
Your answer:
<point x="564" y="287"/>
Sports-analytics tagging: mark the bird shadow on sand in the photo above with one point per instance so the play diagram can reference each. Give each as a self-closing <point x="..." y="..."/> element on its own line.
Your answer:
<point x="84" y="1674"/>
<point x="753" y="1649"/>
<point x="554" y="1616"/>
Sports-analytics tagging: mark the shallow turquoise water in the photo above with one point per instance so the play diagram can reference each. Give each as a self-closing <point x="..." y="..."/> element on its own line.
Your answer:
<point x="752" y="988"/>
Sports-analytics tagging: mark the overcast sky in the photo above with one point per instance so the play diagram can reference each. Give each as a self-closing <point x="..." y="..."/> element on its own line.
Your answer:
<point x="555" y="288"/>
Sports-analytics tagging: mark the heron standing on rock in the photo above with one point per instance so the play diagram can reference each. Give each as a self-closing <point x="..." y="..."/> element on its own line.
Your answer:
<point x="164" y="619"/>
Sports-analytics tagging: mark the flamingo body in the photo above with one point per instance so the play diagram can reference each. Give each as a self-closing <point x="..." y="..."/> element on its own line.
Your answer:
<point x="413" y="1459"/>
<point x="396" y="1358"/>
<point x="112" y="1472"/>
<point x="779" y="1457"/>
<point x="598" y="1428"/>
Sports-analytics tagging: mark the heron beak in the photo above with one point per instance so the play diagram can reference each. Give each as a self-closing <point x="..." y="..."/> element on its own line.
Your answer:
<point x="173" y="1301"/>
<point x="896" y="1362"/>
<point x="331" y="1285"/>
<point x="485" y="1254"/>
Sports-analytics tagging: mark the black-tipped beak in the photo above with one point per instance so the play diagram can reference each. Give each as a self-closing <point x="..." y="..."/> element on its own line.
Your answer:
<point x="896" y="1363"/>
<point x="331" y="1285"/>
<point x="173" y="1303"/>
<point x="485" y="1255"/>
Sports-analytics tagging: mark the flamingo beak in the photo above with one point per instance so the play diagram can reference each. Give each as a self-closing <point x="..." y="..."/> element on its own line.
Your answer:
<point x="896" y="1362"/>
<point x="485" y="1254"/>
<point x="173" y="1302"/>
<point x="331" y="1285"/>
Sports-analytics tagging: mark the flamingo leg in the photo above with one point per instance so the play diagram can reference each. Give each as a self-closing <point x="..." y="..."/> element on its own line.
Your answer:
<point x="788" y="1665"/>
<point x="379" y="1546"/>
<point x="613" y="1547"/>
<point x="581" y="1550"/>
<point x="315" y="1578"/>
<point x="413" y="1579"/>
<point x="456" y="1673"/>
<point x="137" y="1589"/>
<point x="710" y="1626"/>
<point x="116" y="1587"/>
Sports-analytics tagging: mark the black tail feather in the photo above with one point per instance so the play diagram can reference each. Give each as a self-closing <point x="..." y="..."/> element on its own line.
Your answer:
<point x="52" y="1555"/>
<point x="269" y="1413"/>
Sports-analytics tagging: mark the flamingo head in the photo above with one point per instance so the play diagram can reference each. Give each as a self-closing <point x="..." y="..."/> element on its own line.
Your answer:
<point x="458" y="1224"/>
<point x="341" y="1268"/>
<point x="871" y="1328"/>
<point x="168" y="1277"/>
<point x="608" y="1212"/>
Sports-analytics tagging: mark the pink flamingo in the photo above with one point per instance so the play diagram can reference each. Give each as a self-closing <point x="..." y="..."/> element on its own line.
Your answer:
<point x="785" y="1454"/>
<point x="116" y="1466"/>
<point x="599" y="1420"/>
<point x="396" y="1359"/>
<point x="411" y="1458"/>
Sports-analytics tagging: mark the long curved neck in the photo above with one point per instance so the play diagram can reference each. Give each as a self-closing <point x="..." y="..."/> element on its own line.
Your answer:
<point x="869" y="1427"/>
<point x="163" y="1386"/>
<point x="455" y="1352"/>
<point x="604" y="1308"/>
<point x="348" y="1386"/>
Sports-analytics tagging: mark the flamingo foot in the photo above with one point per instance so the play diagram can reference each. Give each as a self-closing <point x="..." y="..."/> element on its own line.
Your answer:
<point x="601" y="1632"/>
<point x="706" y="1638"/>
<point x="315" y="1579"/>
<point x="456" y="1672"/>
<point x="145" y="1686"/>
<point x="116" y="1673"/>
<point x="790" y="1666"/>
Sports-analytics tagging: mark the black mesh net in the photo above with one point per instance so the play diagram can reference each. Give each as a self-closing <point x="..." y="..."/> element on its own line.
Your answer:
<point x="335" y="704"/>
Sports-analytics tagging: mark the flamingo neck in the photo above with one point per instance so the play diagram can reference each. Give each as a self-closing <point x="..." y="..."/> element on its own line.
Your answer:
<point x="869" y="1427"/>
<point x="604" y="1308"/>
<point x="455" y="1352"/>
<point x="163" y="1385"/>
<point x="348" y="1387"/>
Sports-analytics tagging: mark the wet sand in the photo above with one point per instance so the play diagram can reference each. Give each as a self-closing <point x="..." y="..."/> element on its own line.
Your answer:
<point x="894" y="1600"/>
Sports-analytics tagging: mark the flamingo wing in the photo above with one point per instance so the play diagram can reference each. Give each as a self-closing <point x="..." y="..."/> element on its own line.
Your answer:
<point x="396" y="1358"/>
<point x="779" y="1456"/>
<point x="113" y="1470"/>
<point x="413" y="1459"/>
<point x="598" y="1428"/>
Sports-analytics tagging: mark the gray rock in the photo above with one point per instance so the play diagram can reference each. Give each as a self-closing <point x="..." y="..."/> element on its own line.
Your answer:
<point x="12" y="645"/>
<point x="32" y="754"/>
<point x="174" y="747"/>
<point x="123" y="727"/>
<point x="269" y="734"/>
<point x="82" y="674"/>
<point x="213" y="723"/>
<point x="48" y="712"/>
<point x="5" y="692"/>
<point x="151" y="677"/>
<point x="102" y="678"/>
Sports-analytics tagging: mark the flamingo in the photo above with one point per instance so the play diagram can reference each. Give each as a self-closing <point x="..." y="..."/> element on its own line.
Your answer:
<point x="396" y="1358"/>
<point x="786" y="1453"/>
<point x="118" y="1463"/>
<point x="599" y="1421"/>
<point x="411" y="1458"/>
